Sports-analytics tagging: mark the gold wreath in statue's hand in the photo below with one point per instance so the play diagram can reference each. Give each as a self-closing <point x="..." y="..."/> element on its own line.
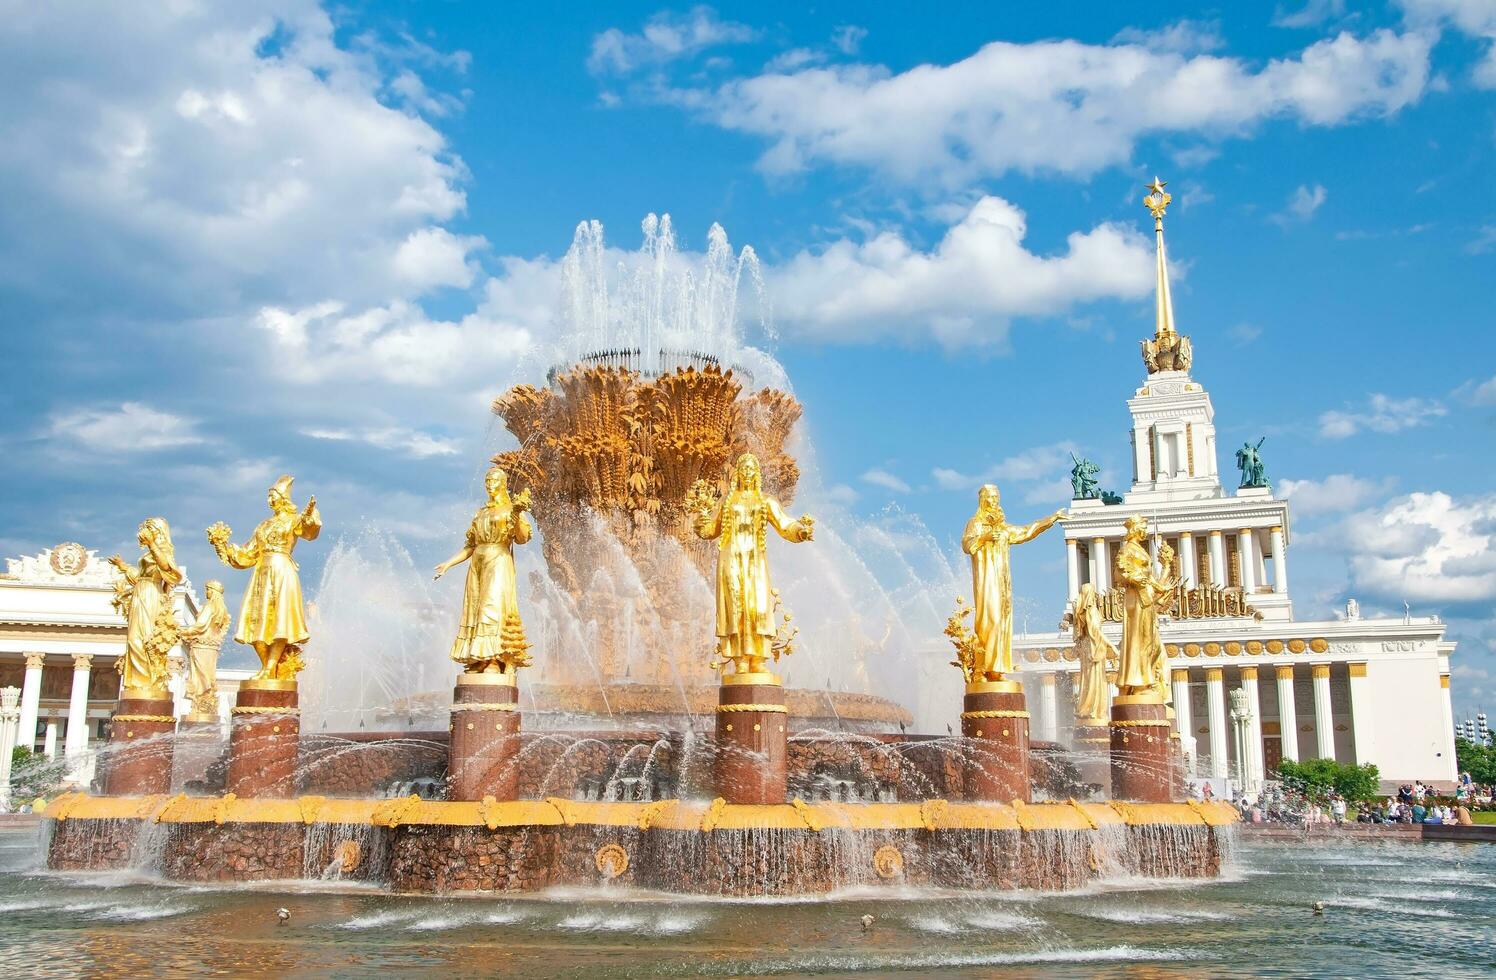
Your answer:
<point x="521" y="501"/>
<point x="807" y="527"/>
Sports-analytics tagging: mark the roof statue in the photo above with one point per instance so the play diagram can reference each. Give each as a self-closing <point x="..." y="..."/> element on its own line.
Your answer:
<point x="1167" y="351"/>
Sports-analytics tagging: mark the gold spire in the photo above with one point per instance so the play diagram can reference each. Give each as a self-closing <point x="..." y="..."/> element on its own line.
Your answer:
<point x="1167" y="351"/>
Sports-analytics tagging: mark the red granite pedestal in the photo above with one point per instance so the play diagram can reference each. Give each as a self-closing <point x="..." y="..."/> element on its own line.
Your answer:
<point x="485" y="738"/>
<point x="264" y="740"/>
<point x="995" y="717"/>
<point x="750" y="764"/>
<point x="200" y="743"/>
<point x="1142" y="754"/>
<point x="1093" y="753"/>
<point x="140" y="744"/>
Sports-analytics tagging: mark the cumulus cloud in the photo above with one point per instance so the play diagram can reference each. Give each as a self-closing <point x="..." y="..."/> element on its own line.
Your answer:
<point x="1424" y="547"/>
<point x="1381" y="414"/>
<point x="1335" y="493"/>
<point x="434" y="257"/>
<point x="1039" y="473"/>
<point x="1474" y="18"/>
<point x="132" y="427"/>
<point x="880" y="477"/>
<point x="963" y="290"/>
<point x="1053" y="106"/>
<point x="665" y="37"/>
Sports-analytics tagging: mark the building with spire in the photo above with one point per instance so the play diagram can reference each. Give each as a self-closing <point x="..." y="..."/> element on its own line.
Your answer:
<point x="1350" y="688"/>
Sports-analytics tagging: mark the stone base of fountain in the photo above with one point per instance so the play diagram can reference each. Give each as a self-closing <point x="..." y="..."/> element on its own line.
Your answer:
<point x="485" y="738"/>
<point x="414" y="845"/>
<point x="1142" y="755"/>
<point x="750" y="764"/>
<point x="264" y="740"/>
<point x="995" y="717"/>
<point x="139" y="762"/>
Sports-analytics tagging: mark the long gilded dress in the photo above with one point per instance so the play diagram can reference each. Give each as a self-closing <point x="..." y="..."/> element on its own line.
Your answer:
<point x="992" y="586"/>
<point x="273" y="607"/>
<point x="1142" y="646"/>
<point x="151" y="590"/>
<point x="745" y="603"/>
<point x="491" y="592"/>
<point x="1092" y="648"/>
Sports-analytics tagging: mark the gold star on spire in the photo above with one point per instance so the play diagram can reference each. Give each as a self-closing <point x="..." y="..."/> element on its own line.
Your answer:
<point x="1157" y="200"/>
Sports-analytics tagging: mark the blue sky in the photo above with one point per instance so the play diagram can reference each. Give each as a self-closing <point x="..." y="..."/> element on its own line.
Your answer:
<point x="241" y="239"/>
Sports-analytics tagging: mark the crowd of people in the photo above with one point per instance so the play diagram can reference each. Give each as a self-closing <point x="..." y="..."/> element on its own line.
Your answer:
<point x="1413" y="803"/>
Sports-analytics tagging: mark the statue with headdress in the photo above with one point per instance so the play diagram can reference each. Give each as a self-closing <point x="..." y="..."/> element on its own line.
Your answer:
<point x="1144" y="596"/>
<point x="142" y="595"/>
<point x="747" y="633"/>
<point x="272" y="619"/>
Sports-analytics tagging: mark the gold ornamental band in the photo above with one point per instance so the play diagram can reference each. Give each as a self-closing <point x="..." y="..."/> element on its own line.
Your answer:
<point x="265" y="710"/>
<point x="199" y="718"/>
<point x="1152" y="697"/>
<point x="1142" y="723"/>
<point x="145" y="694"/>
<point x="994" y="687"/>
<point x="751" y="677"/>
<point x="266" y="684"/>
<point x="508" y="679"/>
<point x="160" y="719"/>
<point x="510" y="706"/>
<point x="995" y="713"/>
<point x="1094" y="741"/>
<point x="769" y="709"/>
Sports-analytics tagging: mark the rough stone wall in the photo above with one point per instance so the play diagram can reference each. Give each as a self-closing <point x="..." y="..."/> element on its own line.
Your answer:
<point x="234" y="851"/>
<point x="92" y="845"/>
<point x="442" y="859"/>
<point x="352" y="767"/>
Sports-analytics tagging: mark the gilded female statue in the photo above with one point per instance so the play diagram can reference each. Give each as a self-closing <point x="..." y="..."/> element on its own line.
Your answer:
<point x="273" y="616"/>
<point x="143" y="596"/>
<point x="490" y="636"/>
<point x="988" y="539"/>
<point x="205" y="641"/>
<point x="1142" y="656"/>
<point x="1093" y="650"/>
<point x="745" y="598"/>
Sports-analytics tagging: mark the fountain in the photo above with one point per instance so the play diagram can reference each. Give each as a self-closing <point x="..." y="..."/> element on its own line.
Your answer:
<point x="634" y="757"/>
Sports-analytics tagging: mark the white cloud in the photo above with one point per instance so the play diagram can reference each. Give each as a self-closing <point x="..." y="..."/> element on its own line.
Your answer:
<point x="1051" y="106"/>
<point x="848" y="38"/>
<point x="1483" y="242"/>
<point x="434" y="257"/>
<point x="1040" y="464"/>
<point x="1181" y="37"/>
<point x="665" y="37"/>
<point x="1244" y="333"/>
<point x="1311" y="14"/>
<point x="1424" y="547"/>
<point x="133" y="427"/>
<point x="1475" y="18"/>
<point x="964" y="289"/>
<point x="1337" y="492"/>
<point x="879" y="477"/>
<point x="1478" y="393"/>
<point x="395" y="438"/>
<point x="1382" y="414"/>
<point x="1302" y="204"/>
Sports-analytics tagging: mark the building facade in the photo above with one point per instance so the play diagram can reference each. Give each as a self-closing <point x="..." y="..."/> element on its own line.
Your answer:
<point x="1350" y="688"/>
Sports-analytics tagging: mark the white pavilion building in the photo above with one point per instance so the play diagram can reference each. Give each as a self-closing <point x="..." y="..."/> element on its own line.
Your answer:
<point x="1351" y="689"/>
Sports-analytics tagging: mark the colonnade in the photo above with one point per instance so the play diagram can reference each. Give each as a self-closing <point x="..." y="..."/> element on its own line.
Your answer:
<point x="1207" y="565"/>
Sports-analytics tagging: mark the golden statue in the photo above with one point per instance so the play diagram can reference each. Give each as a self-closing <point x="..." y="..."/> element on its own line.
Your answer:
<point x="1141" y="670"/>
<point x="987" y="539"/>
<point x="205" y="641"/>
<point x="490" y="636"/>
<point x="1093" y="649"/>
<point x="143" y="596"/>
<point x="746" y="631"/>
<point x="273" y="617"/>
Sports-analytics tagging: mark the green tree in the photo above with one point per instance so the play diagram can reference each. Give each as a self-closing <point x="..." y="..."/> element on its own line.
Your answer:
<point x="1476" y="759"/>
<point x="1317" y="778"/>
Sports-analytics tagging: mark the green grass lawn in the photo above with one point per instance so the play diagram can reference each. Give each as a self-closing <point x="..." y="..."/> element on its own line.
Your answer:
<point x="1485" y="817"/>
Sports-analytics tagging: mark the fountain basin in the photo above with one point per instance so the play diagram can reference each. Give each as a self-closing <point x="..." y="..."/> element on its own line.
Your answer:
<point x="687" y="846"/>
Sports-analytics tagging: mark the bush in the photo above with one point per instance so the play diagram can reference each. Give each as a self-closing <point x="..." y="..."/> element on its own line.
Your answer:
<point x="1476" y="759"/>
<point x="1317" y="778"/>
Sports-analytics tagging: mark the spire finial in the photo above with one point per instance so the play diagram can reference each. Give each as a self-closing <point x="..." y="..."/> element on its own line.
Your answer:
<point x="1167" y="351"/>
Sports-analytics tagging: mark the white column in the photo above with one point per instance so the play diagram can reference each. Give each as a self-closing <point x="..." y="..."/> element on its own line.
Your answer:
<point x="1189" y="559"/>
<point x="1363" y="745"/>
<point x="1280" y="562"/>
<point x="1215" y="699"/>
<point x="1324" y="726"/>
<point x="31" y="698"/>
<point x="1072" y="564"/>
<point x="10" y="714"/>
<point x="1447" y="739"/>
<point x="1288" y="715"/>
<point x="1049" y="707"/>
<point x="1101" y="573"/>
<point x="176" y="665"/>
<point x="77" y="736"/>
<point x="1248" y="556"/>
<point x="1217" y="558"/>
<point x="49" y="744"/>
<point x="1182" y="719"/>
<point x="1253" y="765"/>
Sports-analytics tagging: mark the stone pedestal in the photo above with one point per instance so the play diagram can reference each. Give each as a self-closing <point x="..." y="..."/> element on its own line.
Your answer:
<point x="200" y="743"/>
<point x="996" y="720"/>
<point x="140" y="744"/>
<point x="750" y="763"/>
<point x="1142" y="754"/>
<point x="1178" y="782"/>
<point x="1093" y="753"/>
<point x="264" y="740"/>
<point x="485" y="738"/>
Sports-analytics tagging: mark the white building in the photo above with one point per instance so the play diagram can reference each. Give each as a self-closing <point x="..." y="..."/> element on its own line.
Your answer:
<point x="1352" y="689"/>
<point x="59" y="640"/>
